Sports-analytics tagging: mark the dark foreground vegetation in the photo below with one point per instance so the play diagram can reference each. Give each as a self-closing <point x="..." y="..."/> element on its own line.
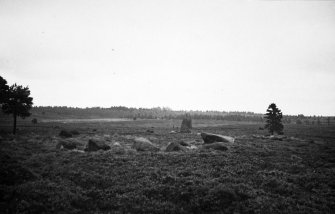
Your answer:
<point x="256" y="174"/>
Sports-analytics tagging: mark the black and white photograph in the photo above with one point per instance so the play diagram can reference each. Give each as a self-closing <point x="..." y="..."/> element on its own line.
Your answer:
<point x="167" y="106"/>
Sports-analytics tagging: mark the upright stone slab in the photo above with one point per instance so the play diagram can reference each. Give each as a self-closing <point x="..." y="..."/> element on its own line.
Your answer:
<point x="186" y="124"/>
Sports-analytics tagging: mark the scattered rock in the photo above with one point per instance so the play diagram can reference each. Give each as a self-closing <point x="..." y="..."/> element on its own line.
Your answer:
<point x="277" y="137"/>
<point x="175" y="147"/>
<point x="77" y="150"/>
<point x="65" y="134"/>
<point x="153" y="139"/>
<point x="96" y="144"/>
<point x="116" y="148"/>
<point x="116" y="144"/>
<point x="192" y="147"/>
<point x="211" y="138"/>
<point x="216" y="146"/>
<point x="107" y="137"/>
<point x="183" y="143"/>
<point x="143" y="144"/>
<point x="68" y="144"/>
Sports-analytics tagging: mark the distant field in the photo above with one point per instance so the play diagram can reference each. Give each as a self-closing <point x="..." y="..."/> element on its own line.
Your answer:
<point x="85" y="120"/>
<point x="255" y="175"/>
<point x="111" y="122"/>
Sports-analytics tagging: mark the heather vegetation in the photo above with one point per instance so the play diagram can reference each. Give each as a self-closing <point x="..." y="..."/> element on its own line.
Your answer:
<point x="43" y="172"/>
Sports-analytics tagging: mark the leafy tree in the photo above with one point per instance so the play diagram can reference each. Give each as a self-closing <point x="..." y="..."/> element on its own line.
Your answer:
<point x="18" y="103"/>
<point x="3" y="90"/>
<point x="273" y="119"/>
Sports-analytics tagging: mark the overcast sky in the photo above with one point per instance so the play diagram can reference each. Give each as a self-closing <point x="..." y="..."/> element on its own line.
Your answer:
<point x="184" y="54"/>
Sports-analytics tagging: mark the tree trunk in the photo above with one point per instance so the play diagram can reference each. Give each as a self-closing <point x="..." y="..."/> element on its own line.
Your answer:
<point x="14" y="127"/>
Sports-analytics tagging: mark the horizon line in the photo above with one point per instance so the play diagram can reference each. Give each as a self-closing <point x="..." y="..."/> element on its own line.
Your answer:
<point x="182" y="110"/>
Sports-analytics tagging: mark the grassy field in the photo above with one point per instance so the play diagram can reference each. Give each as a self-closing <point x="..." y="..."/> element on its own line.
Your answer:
<point x="255" y="175"/>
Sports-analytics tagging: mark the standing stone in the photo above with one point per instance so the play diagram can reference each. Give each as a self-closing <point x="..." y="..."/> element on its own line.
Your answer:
<point x="186" y="124"/>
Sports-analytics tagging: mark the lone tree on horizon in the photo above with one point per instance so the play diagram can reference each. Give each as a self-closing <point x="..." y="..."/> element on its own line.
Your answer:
<point x="273" y="119"/>
<point x="17" y="101"/>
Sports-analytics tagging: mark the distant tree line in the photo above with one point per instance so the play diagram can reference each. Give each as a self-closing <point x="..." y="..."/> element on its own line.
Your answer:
<point x="53" y="112"/>
<point x="139" y="113"/>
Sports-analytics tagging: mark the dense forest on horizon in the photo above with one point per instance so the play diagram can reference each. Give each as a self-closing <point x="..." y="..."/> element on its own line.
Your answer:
<point x="137" y="113"/>
<point x="64" y="112"/>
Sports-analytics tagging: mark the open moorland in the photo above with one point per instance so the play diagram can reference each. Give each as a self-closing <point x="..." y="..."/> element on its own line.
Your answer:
<point x="256" y="174"/>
